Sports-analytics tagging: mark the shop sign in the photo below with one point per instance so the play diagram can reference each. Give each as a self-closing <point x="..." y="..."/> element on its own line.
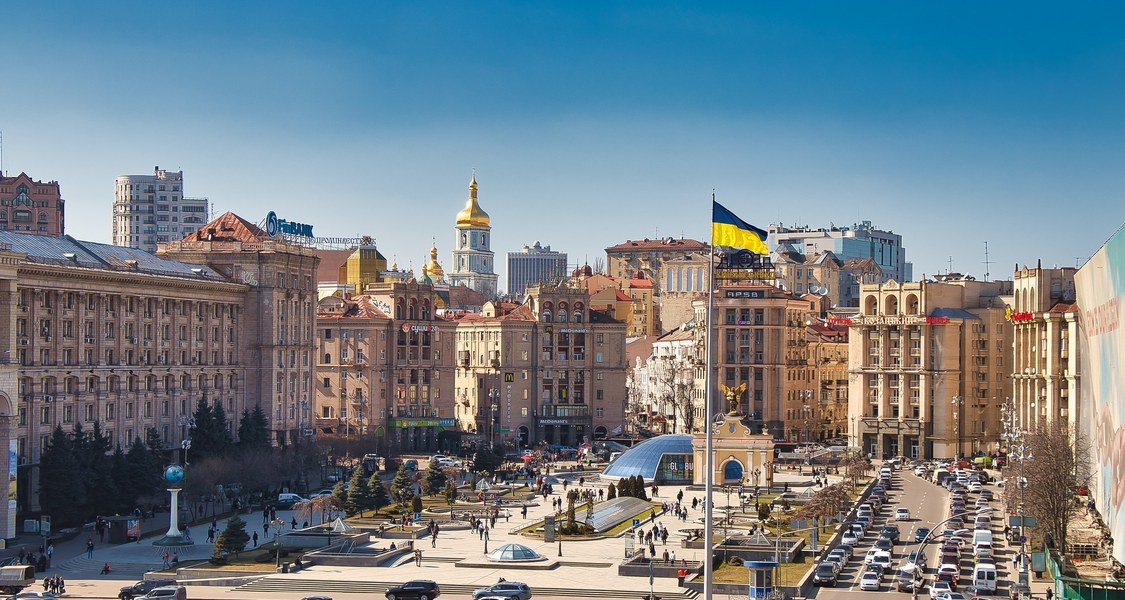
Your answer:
<point x="416" y="328"/>
<point x="408" y="422"/>
<point x="554" y="422"/>
<point x="745" y="294"/>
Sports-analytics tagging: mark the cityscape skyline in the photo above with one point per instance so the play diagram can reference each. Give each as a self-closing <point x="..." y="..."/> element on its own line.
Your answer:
<point x="589" y="126"/>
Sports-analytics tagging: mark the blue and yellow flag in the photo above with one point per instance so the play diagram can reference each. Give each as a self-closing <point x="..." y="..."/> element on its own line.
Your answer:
<point x="729" y="230"/>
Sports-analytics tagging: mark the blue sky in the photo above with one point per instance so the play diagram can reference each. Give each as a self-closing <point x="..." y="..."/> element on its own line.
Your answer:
<point x="589" y="123"/>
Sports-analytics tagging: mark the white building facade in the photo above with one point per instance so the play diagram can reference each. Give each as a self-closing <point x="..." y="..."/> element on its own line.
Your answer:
<point x="151" y="209"/>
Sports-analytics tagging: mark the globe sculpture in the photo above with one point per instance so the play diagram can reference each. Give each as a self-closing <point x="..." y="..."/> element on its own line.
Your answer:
<point x="174" y="474"/>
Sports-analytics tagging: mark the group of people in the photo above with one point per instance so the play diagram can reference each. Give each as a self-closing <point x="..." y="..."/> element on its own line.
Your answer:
<point x="54" y="584"/>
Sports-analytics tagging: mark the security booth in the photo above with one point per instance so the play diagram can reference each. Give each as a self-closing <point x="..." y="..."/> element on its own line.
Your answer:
<point x="122" y="529"/>
<point x="761" y="578"/>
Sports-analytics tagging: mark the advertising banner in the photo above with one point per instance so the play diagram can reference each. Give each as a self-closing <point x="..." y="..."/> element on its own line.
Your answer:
<point x="1099" y="285"/>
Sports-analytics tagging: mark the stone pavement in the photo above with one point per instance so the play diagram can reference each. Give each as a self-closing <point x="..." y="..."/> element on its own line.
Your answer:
<point x="587" y="568"/>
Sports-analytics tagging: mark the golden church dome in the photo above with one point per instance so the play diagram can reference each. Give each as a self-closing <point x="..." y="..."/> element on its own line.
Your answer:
<point x="472" y="215"/>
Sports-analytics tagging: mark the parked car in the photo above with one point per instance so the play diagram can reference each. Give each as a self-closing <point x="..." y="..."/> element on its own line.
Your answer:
<point x="504" y="589"/>
<point x="143" y="587"/>
<point x="939" y="587"/>
<point x="286" y="500"/>
<point x="415" y="589"/>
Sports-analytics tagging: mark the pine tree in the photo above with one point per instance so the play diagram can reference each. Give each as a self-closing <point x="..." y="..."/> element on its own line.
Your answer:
<point x="416" y="504"/>
<point x="612" y="493"/>
<point x="253" y="430"/>
<point x="338" y="491"/>
<point x="639" y="487"/>
<point x="359" y="495"/>
<point x="402" y="486"/>
<point x="379" y="495"/>
<point x="61" y="493"/>
<point x="234" y="538"/>
<point x="435" y="479"/>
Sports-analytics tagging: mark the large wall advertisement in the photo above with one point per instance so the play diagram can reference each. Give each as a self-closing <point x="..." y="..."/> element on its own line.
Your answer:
<point x="1100" y="284"/>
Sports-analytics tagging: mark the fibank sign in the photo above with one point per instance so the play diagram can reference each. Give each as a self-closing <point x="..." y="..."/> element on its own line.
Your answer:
<point x="275" y="226"/>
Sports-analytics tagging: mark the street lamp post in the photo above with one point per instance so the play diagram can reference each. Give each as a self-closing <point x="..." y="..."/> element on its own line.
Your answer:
<point x="277" y="523"/>
<point x="958" y="404"/>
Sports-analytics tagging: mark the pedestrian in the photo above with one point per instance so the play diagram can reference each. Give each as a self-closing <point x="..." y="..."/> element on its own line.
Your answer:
<point x="165" y="556"/>
<point x="89" y="548"/>
<point x="673" y="556"/>
<point x="294" y="523"/>
<point x="1050" y="593"/>
<point x="665" y="555"/>
<point x="255" y="538"/>
<point x="266" y="528"/>
<point x="418" y="558"/>
<point x="106" y="569"/>
<point x="60" y="583"/>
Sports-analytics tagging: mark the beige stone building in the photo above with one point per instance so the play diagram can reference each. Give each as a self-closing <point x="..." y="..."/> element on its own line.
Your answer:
<point x="828" y="359"/>
<point x="759" y="339"/>
<point x="278" y="314"/>
<point x="818" y="274"/>
<point x="929" y="365"/>
<point x="386" y="369"/>
<point x="550" y="370"/>
<point x="98" y="333"/>
<point x="677" y="269"/>
<point x="1045" y="380"/>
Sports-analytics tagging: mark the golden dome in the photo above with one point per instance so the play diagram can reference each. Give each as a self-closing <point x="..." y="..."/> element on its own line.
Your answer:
<point x="472" y="215"/>
<point x="432" y="267"/>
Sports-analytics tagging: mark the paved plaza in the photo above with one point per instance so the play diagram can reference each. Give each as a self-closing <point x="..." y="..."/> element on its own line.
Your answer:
<point x="586" y="568"/>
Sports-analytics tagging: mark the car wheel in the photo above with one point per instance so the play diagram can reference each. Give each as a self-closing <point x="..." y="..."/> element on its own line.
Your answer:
<point x="423" y="597"/>
<point x="392" y="597"/>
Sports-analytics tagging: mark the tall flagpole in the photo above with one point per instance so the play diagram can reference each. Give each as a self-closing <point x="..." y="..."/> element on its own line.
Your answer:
<point x="709" y="456"/>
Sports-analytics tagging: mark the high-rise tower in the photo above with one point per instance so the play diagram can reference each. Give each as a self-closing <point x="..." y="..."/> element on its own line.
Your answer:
<point x="472" y="257"/>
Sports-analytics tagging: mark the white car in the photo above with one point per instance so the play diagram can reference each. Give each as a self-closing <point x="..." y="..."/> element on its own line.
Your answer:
<point x="849" y="538"/>
<point x="902" y="514"/>
<point x="938" y="588"/>
<point x="870" y="582"/>
<point x="877" y="556"/>
<point x="950" y="596"/>
<point x="974" y="486"/>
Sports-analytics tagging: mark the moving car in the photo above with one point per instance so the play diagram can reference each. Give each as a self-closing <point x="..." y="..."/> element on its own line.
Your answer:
<point x="850" y="538"/>
<point x="950" y="596"/>
<point x="167" y="592"/>
<point x="902" y="514"/>
<point x="939" y="587"/>
<point x="415" y="589"/>
<point x="870" y="582"/>
<point x="504" y="589"/>
<point x="143" y="587"/>
<point x="890" y="531"/>
<point x="825" y="574"/>
<point x="921" y="533"/>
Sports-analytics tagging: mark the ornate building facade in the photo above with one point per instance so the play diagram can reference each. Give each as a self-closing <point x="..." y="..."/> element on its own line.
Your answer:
<point x="31" y="206"/>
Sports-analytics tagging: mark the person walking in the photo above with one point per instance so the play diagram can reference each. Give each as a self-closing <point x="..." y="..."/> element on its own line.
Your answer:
<point x="418" y="558"/>
<point x="255" y="538"/>
<point x="50" y="552"/>
<point x="89" y="547"/>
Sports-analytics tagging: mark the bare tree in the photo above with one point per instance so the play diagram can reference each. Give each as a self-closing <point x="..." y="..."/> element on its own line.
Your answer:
<point x="675" y="377"/>
<point x="1059" y="464"/>
<point x="324" y="505"/>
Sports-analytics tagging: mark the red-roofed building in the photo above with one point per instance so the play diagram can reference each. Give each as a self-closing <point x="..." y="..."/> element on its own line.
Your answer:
<point x="31" y="206"/>
<point x="278" y="317"/>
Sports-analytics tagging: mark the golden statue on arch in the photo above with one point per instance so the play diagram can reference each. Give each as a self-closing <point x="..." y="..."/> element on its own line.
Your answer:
<point x="733" y="396"/>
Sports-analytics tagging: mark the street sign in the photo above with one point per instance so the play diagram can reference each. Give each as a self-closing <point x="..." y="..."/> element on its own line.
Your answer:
<point x="45" y="524"/>
<point x="636" y="523"/>
<point x="1018" y="521"/>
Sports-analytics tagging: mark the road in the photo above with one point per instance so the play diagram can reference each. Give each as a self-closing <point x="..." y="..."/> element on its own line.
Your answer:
<point x="929" y="505"/>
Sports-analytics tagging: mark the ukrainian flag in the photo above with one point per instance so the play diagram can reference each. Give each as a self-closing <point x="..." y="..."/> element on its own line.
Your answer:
<point x="729" y="230"/>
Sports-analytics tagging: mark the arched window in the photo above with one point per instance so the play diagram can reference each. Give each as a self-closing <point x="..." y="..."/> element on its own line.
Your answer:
<point x="42" y="217"/>
<point x="891" y="306"/>
<point x="577" y="316"/>
<point x="545" y="316"/>
<point x="327" y="358"/>
<point x="561" y="317"/>
<point x="870" y="304"/>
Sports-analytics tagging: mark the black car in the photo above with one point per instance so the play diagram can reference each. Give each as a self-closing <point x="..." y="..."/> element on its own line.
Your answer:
<point x="891" y="531"/>
<point x="415" y="589"/>
<point x="825" y="574"/>
<point x="143" y="587"/>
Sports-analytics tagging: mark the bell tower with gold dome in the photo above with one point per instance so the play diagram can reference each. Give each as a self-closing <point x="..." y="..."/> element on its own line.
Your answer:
<point x="473" y="260"/>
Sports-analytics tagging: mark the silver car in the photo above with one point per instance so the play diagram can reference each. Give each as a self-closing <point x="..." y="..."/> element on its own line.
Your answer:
<point x="504" y="589"/>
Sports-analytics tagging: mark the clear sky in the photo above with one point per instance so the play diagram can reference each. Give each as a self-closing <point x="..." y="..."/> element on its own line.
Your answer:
<point x="589" y="123"/>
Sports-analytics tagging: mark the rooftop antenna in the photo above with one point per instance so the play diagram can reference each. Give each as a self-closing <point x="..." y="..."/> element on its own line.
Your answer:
<point x="950" y="269"/>
<point x="986" y="261"/>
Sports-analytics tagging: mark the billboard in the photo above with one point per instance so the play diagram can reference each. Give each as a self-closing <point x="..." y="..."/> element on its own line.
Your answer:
<point x="1099" y="285"/>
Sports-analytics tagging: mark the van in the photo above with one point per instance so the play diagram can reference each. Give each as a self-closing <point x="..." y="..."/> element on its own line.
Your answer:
<point x="981" y="536"/>
<point x="984" y="577"/>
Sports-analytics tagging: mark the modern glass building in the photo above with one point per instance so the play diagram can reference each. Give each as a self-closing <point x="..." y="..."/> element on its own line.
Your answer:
<point x="661" y="460"/>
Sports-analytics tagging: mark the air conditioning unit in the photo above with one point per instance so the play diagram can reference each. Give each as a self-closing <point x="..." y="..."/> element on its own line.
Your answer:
<point x="48" y="398"/>
<point x="24" y="342"/>
<point x="132" y="340"/>
<point x="89" y="340"/>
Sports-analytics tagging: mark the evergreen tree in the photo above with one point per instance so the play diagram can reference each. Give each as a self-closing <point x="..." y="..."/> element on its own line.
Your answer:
<point x="126" y="491"/>
<point x="379" y="495"/>
<point x="486" y="460"/>
<point x="435" y="479"/>
<point x="359" y="495"/>
<point x="234" y="538"/>
<point x="144" y="471"/>
<point x="639" y="487"/>
<point x="623" y="489"/>
<point x="253" y="429"/>
<point x="611" y="493"/>
<point x="61" y="492"/>
<point x="416" y="504"/>
<point x="101" y="489"/>
<point x="402" y="486"/>
<point x="338" y="491"/>
<point x="209" y="436"/>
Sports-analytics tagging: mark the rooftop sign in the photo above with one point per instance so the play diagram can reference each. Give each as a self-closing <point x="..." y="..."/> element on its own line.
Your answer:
<point x="275" y="226"/>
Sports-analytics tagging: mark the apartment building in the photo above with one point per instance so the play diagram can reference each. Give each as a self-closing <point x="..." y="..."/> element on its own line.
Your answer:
<point x="151" y="209"/>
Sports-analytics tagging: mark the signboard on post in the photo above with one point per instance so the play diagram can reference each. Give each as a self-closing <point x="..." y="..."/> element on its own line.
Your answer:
<point x="549" y="529"/>
<point x="45" y="525"/>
